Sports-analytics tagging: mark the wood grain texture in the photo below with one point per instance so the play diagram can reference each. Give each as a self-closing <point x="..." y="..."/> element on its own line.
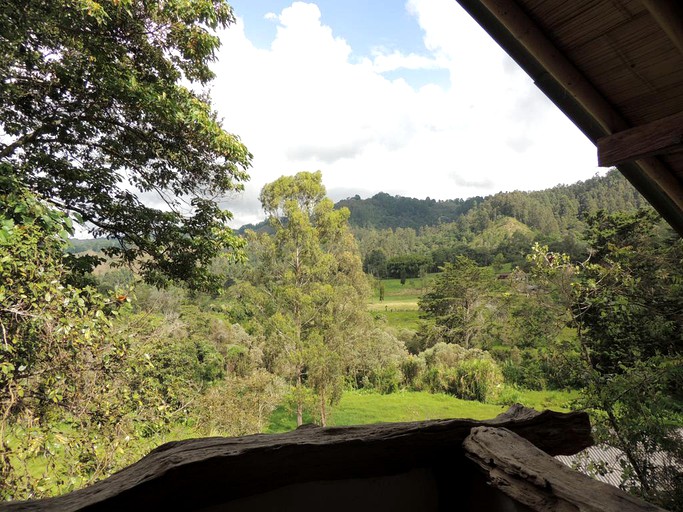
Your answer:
<point x="201" y="473"/>
<point x="656" y="138"/>
<point x="531" y="477"/>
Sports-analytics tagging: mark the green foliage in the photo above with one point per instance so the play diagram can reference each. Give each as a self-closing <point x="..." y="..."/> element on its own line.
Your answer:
<point x="375" y="264"/>
<point x="625" y="306"/>
<point x="377" y="362"/>
<point x="240" y="405"/>
<point x="59" y="371"/>
<point x="469" y="374"/>
<point x="77" y="245"/>
<point x="413" y="368"/>
<point x="384" y="211"/>
<point x="456" y="303"/>
<point x="305" y="289"/>
<point x="409" y="265"/>
<point x="94" y="112"/>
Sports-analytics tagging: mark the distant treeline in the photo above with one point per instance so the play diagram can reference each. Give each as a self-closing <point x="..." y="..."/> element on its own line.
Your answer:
<point x="549" y="211"/>
<point x="77" y="245"/>
<point x="383" y="211"/>
<point x="497" y="229"/>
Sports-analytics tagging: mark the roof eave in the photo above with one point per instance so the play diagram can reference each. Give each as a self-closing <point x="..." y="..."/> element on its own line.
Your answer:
<point x="589" y="125"/>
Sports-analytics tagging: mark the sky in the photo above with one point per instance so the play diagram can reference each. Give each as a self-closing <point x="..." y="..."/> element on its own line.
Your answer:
<point x="410" y="98"/>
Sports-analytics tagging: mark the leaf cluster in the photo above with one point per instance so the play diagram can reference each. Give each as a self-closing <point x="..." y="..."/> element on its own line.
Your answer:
<point x="94" y="118"/>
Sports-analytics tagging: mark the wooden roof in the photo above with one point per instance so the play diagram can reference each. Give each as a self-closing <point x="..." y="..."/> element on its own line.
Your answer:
<point x="615" y="68"/>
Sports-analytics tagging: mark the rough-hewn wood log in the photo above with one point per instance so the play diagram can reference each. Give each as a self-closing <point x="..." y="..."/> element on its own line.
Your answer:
<point x="199" y="473"/>
<point x="531" y="477"/>
<point x="657" y="138"/>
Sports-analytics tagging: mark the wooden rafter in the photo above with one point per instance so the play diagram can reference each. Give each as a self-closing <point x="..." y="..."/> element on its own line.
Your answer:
<point x="560" y="78"/>
<point x="659" y="137"/>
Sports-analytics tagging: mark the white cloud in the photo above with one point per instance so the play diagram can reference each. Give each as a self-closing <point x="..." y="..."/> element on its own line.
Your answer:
<point x="305" y="104"/>
<point x="383" y="62"/>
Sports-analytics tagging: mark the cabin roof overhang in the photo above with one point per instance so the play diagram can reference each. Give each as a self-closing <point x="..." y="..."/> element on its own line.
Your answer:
<point x="615" y="68"/>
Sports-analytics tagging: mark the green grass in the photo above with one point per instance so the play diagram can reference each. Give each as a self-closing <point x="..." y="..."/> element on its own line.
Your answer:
<point x="395" y="291"/>
<point x="358" y="408"/>
<point x="361" y="407"/>
<point x="399" y="319"/>
<point x="552" y="399"/>
<point x="399" y="309"/>
<point x="405" y="304"/>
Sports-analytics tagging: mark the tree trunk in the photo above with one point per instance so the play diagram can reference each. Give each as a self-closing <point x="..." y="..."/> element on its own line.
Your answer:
<point x="299" y="400"/>
<point x="323" y="410"/>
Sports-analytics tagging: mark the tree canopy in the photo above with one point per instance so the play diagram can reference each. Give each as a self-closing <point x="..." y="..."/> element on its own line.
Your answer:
<point x="625" y="305"/>
<point x="94" y="113"/>
<point x="307" y="287"/>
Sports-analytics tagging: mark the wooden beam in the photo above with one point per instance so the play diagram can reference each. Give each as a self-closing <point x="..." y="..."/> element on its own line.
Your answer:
<point x="525" y="30"/>
<point x="215" y="471"/>
<point x="656" y="138"/>
<point x="533" y="478"/>
<point x="527" y="33"/>
<point x="669" y="16"/>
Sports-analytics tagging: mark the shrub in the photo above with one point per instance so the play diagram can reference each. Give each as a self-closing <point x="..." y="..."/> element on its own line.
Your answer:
<point x="240" y="405"/>
<point x="385" y="379"/>
<point x="470" y="374"/>
<point x="525" y="374"/>
<point x="413" y="368"/>
<point x="476" y="379"/>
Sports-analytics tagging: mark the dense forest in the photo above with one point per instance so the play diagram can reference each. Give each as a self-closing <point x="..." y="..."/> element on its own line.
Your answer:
<point x="169" y="324"/>
<point x="502" y="225"/>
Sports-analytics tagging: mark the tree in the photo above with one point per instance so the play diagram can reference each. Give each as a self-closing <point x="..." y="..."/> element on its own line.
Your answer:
<point x="408" y="265"/>
<point x="625" y="304"/>
<point x="59" y="373"/>
<point x="456" y="303"/>
<point x="375" y="264"/>
<point x="308" y="288"/>
<point x="93" y="114"/>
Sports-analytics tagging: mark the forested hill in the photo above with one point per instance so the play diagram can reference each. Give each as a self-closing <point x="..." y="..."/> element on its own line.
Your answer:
<point x="552" y="213"/>
<point x="549" y="211"/>
<point x="502" y="226"/>
<point x="385" y="211"/>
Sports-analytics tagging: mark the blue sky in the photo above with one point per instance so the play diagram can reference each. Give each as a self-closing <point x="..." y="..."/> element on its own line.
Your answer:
<point x="406" y="97"/>
<point x="364" y="24"/>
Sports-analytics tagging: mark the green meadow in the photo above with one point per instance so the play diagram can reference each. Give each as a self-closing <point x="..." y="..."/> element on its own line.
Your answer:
<point x="399" y="308"/>
<point x="361" y="407"/>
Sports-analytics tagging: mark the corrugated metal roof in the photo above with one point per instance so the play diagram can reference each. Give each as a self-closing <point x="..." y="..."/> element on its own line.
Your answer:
<point x="602" y="462"/>
<point x="608" y="464"/>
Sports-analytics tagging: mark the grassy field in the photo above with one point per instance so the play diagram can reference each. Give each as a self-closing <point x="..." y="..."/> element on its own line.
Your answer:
<point x="399" y="308"/>
<point x="394" y="291"/>
<point x="357" y="408"/>
<point x="399" y="318"/>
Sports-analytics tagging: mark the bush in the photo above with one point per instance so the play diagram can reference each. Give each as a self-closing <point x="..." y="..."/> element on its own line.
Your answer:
<point x="377" y="362"/>
<point x="476" y="379"/>
<point x="386" y="379"/>
<point x="470" y="374"/>
<point x="413" y="368"/>
<point x="240" y="405"/>
<point x="526" y="374"/>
